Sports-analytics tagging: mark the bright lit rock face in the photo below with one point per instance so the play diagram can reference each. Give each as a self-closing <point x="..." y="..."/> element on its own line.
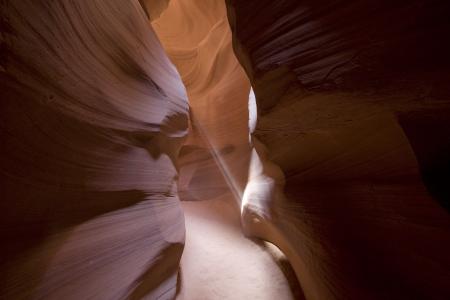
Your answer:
<point x="196" y="35"/>
<point x="351" y="164"/>
<point x="93" y="115"/>
<point x="218" y="261"/>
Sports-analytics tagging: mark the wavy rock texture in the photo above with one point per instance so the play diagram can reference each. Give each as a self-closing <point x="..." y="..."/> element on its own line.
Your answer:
<point x="351" y="164"/>
<point x="218" y="262"/>
<point x="93" y="114"/>
<point x="154" y="8"/>
<point x="197" y="38"/>
<point x="346" y="169"/>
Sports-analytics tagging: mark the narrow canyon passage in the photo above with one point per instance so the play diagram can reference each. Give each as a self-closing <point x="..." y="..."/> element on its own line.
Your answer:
<point x="218" y="262"/>
<point x="224" y="149"/>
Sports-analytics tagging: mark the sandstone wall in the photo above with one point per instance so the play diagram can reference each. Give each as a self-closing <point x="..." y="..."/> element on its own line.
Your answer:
<point x="93" y="114"/>
<point x="197" y="38"/>
<point x="352" y="141"/>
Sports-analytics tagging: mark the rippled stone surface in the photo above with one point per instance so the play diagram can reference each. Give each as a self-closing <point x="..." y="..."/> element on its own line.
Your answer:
<point x="346" y="169"/>
<point x="197" y="38"/>
<point x="351" y="144"/>
<point x="218" y="262"/>
<point x="93" y="114"/>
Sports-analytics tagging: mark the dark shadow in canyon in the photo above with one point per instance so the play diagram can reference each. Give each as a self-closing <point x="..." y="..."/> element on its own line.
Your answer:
<point x="429" y="135"/>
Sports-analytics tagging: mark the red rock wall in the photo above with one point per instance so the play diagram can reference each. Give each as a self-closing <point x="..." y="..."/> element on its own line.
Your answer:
<point x="93" y="114"/>
<point x="197" y="38"/>
<point x="351" y="142"/>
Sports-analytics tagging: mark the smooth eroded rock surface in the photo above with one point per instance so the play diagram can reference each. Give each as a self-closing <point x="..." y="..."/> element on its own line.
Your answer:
<point x="351" y="143"/>
<point x="197" y="37"/>
<point x="93" y="114"/>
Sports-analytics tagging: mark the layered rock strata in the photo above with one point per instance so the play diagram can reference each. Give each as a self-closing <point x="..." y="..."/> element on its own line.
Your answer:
<point x="351" y="154"/>
<point x="93" y="115"/>
<point x="197" y="38"/>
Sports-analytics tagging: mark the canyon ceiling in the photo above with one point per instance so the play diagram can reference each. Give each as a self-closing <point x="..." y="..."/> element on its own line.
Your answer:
<point x="324" y="124"/>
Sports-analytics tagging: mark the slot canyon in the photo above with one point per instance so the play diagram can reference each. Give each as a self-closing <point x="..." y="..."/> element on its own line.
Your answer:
<point x="225" y="149"/>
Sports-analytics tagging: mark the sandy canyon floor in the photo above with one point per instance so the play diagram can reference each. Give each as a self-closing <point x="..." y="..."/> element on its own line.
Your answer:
<point x="218" y="262"/>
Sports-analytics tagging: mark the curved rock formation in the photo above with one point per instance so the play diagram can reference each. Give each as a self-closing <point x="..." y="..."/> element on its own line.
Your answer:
<point x="197" y="38"/>
<point x="93" y="114"/>
<point x="339" y="153"/>
<point x="348" y="176"/>
<point x="154" y="8"/>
